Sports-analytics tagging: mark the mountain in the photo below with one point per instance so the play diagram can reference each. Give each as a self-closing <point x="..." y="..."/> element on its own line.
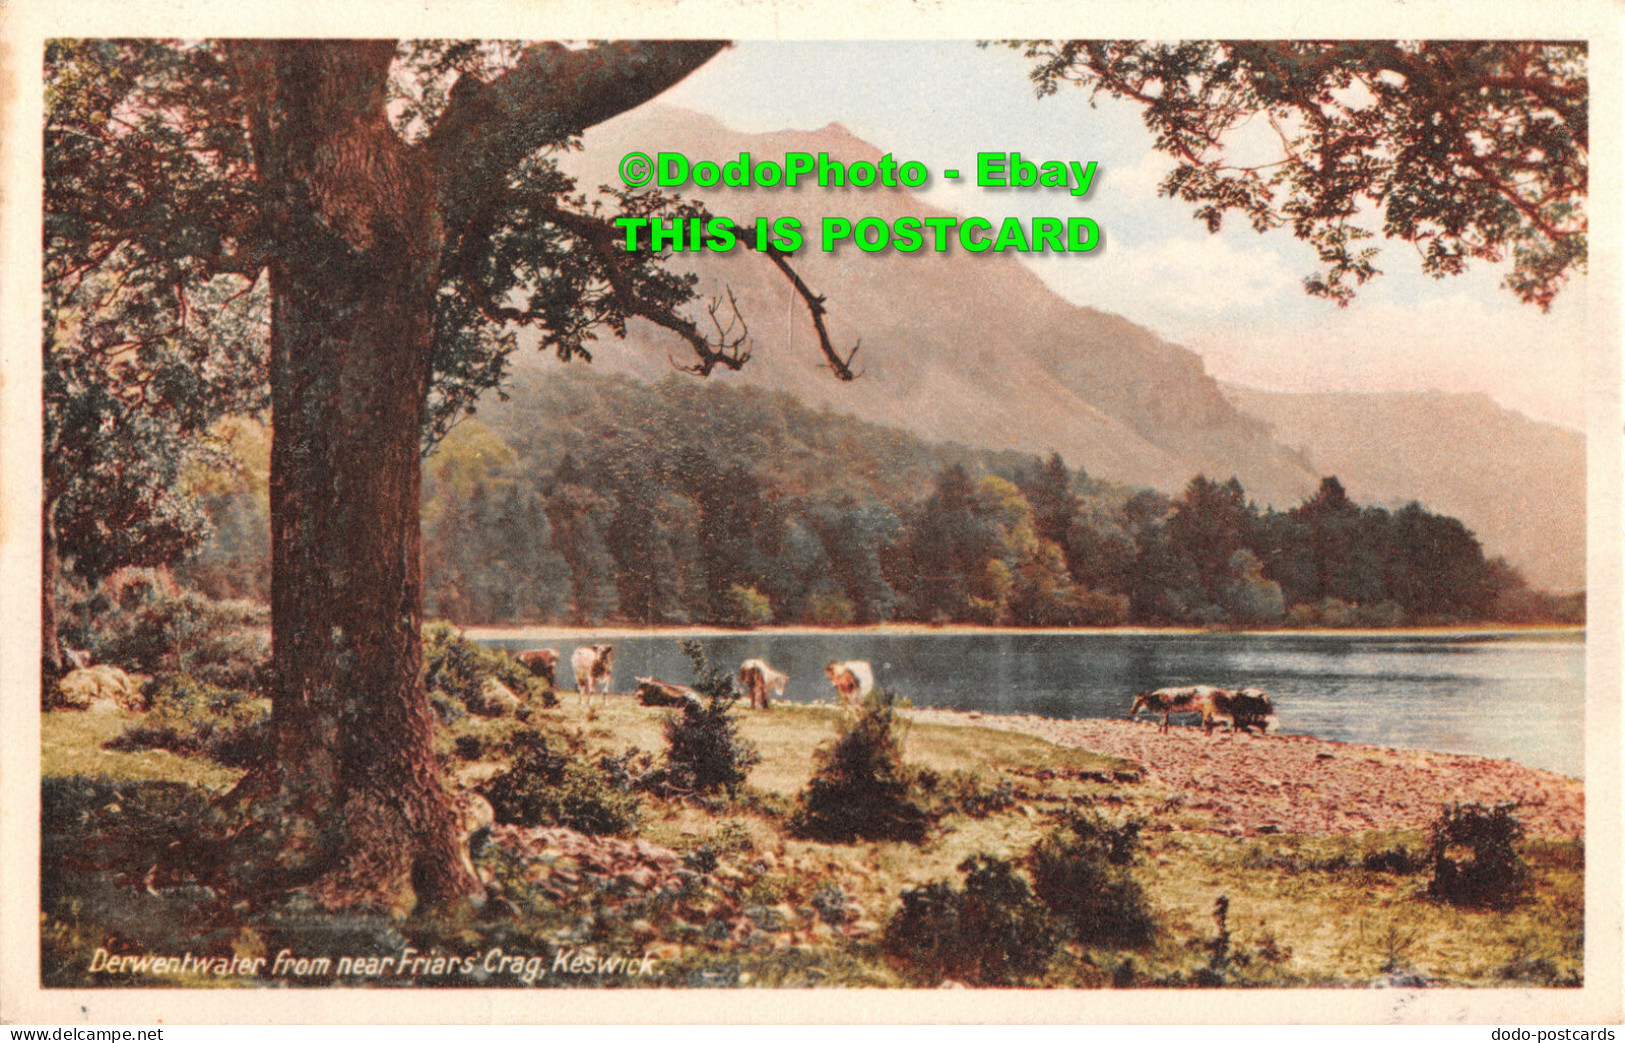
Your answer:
<point x="1520" y="485"/>
<point x="977" y="349"/>
<point x="962" y="347"/>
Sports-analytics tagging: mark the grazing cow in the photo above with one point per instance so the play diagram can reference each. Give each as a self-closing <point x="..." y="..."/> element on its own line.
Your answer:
<point x="655" y="692"/>
<point x="541" y="662"/>
<point x="758" y="679"/>
<point x="853" y="681"/>
<point x="1190" y="699"/>
<point x="591" y="664"/>
<point x="1248" y="708"/>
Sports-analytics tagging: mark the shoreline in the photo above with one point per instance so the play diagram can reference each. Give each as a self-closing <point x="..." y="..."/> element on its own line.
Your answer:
<point x="1259" y="785"/>
<point x="571" y="633"/>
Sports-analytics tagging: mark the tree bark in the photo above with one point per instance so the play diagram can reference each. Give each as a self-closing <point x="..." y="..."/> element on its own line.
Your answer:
<point x="50" y="648"/>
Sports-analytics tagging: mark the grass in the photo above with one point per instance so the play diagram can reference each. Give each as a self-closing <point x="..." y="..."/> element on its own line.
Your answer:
<point x="1302" y="910"/>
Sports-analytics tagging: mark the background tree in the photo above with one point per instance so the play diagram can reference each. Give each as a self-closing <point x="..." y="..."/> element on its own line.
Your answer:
<point x="399" y="208"/>
<point x="1469" y="149"/>
<point x="131" y="394"/>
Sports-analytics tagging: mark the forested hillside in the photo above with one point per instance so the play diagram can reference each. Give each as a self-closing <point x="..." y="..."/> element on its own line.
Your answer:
<point x="590" y="499"/>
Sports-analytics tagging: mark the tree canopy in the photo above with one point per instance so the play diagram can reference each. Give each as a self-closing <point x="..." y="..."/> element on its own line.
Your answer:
<point x="1471" y="150"/>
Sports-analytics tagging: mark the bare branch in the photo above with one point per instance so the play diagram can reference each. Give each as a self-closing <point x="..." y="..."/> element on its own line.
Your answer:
<point x="841" y="367"/>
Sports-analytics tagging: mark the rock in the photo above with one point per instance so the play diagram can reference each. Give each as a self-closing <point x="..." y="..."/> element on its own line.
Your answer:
<point x="477" y="812"/>
<point x="639" y="877"/>
<point x="664" y="951"/>
<point x="861" y="929"/>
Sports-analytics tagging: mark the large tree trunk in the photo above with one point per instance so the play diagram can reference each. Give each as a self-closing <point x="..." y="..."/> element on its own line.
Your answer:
<point x="364" y="819"/>
<point x="351" y="805"/>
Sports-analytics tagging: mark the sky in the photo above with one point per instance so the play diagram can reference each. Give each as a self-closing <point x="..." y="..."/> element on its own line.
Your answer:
<point x="1236" y="298"/>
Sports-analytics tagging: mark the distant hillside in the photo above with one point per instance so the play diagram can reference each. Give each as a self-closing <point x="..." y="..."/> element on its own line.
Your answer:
<point x="977" y="350"/>
<point x="1519" y="484"/>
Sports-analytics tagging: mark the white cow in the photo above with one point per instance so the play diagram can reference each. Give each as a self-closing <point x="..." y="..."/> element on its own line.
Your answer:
<point x="591" y="664"/>
<point x="758" y="679"/>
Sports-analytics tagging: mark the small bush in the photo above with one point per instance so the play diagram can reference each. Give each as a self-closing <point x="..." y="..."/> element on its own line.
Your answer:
<point x="964" y="793"/>
<point x="834" y="906"/>
<point x="194" y="719"/>
<point x="1475" y="858"/>
<point x="549" y="787"/>
<point x="1080" y="870"/>
<point x="861" y="788"/>
<point x="994" y="932"/>
<point x="1399" y="861"/>
<point x="746" y="607"/>
<point x="704" y="750"/>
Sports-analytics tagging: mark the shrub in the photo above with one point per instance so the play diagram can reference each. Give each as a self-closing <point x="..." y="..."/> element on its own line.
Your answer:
<point x="994" y="932"/>
<point x="1492" y="874"/>
<point x="964" y="792"/>
<point x="834" y="906"/>
<point x="704" y="750"/>
<point x="194" y="719"/>
<point x="1399" y="861"/>
<point x="141" y="621"/>
<point x="551" y="787"/>
<point x="860" y="788"/>
<point x="1081" y="870"/>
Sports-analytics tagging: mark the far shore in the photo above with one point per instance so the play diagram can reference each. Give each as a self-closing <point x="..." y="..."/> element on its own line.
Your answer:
<point x="570" y="633"/>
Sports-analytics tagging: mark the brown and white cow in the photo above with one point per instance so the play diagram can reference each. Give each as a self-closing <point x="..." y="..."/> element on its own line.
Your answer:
<point x="758" y="679"/>
<point x="1248" y="708"/>
<point x="652" y="691"/>
<point x="541" y="662"/>
<point x="591" y="664"/>
<point x="853" y="681"/>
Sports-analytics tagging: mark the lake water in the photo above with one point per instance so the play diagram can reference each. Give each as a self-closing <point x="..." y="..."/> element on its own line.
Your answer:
<point x="1513" y="696"/>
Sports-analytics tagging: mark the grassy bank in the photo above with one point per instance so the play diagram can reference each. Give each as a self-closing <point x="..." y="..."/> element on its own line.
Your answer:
<point x="726" y="892"/>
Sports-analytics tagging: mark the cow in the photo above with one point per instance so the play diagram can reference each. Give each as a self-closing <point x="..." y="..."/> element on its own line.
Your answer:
<point x="1190" y="699"/>
<point x="541" y="662"/>
<point x="758" y="680"/>
<point x="591" y="664"/>
<point x="652" y="691"/>
<point x="853" y="681"/>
